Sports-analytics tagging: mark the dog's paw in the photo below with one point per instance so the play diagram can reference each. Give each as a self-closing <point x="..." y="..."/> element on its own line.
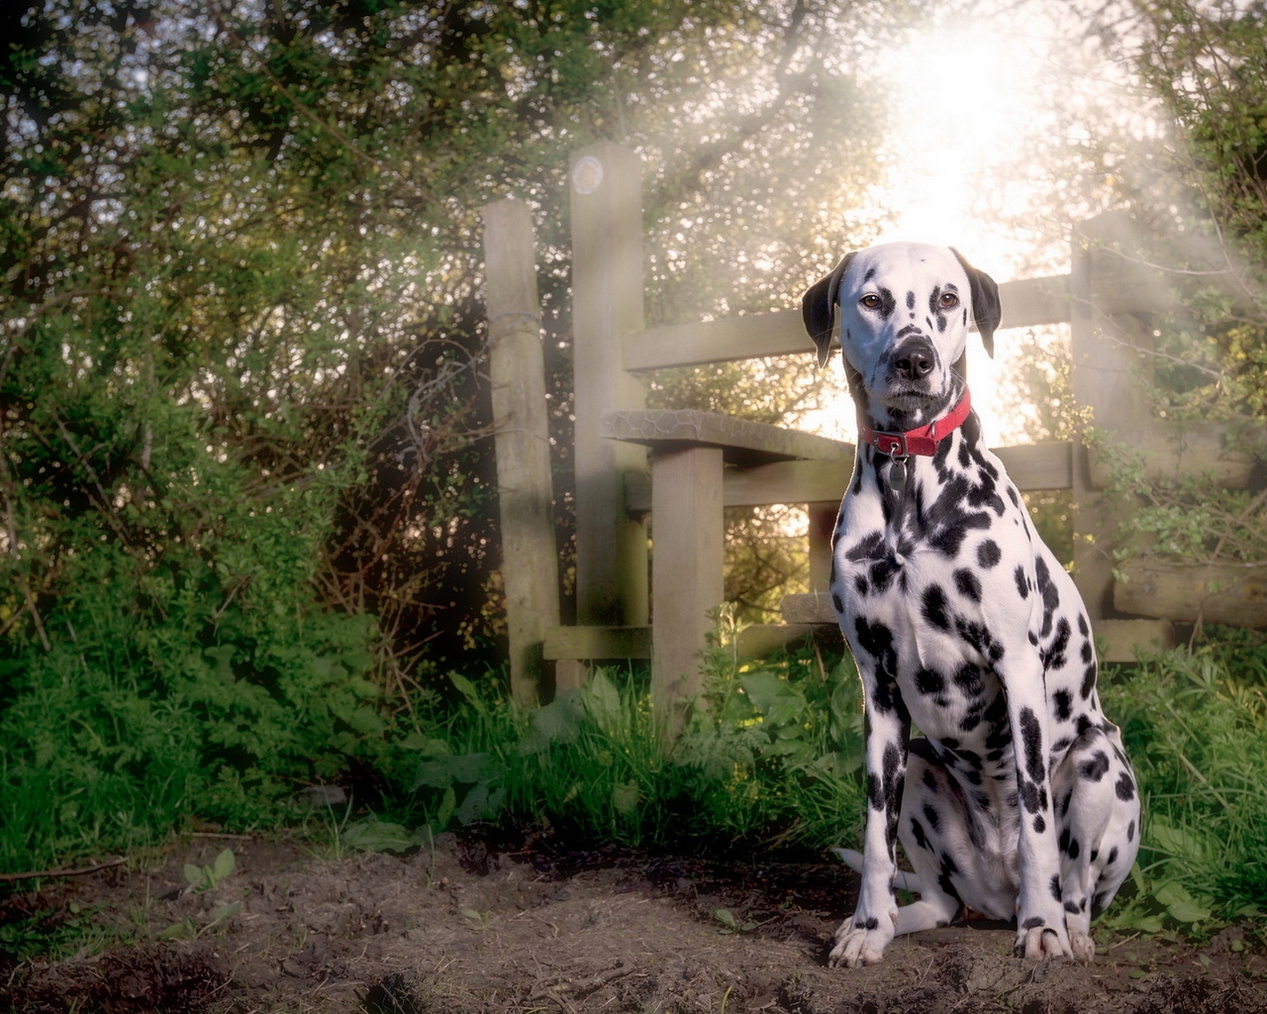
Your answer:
<point x="1082" y="945"/>
<point x="1036" y="941"/>
<point x="861" y="942"/>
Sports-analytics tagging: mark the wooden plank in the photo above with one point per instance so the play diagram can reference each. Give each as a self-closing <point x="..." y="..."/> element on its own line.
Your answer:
<point x="763" y="639"/>
<point x="597" y="642"/>
<point x="1230" y="593"/>
<point x="611" y="547"/>
<point x="592" y="643"/>
<point x="1171" y="450"/>
<point x="822" y="526"/>
<point x="686" y="575"/>
<point x="1119" y="639"/>
<point x="521" y="442"/>
<point x="1028" y="302"/>
<point x="741" y="440"/>
<point x="1034" y="467"/>
<point x="813" y="608"/>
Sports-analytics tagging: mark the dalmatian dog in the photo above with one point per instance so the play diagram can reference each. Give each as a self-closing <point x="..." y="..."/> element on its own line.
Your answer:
<point x="1017" y="801"/>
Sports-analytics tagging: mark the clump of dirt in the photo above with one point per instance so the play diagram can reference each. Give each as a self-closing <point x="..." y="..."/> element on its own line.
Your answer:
<point x="475" y="925"/>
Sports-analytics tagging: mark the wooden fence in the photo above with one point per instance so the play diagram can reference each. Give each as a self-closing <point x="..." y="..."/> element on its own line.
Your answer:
<point x="684" y="467"/>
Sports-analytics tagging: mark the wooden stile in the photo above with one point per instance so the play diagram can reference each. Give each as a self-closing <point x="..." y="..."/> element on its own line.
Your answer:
<point x="522" y="442"/>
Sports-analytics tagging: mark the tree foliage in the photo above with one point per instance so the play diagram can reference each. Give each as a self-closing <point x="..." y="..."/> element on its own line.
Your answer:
<point x="245" y="467"/>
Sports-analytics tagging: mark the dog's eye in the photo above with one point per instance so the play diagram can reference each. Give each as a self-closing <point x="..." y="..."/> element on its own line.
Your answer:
<point x="871" y="301"/>
<point x="948" y="300"/>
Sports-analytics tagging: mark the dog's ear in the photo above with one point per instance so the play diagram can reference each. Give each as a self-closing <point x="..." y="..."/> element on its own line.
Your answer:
<point x="818" y="307"/>
<point x="986" y="311"/>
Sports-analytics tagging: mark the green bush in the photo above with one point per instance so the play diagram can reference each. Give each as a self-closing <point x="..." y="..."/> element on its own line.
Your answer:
<point x="202" y="680"/>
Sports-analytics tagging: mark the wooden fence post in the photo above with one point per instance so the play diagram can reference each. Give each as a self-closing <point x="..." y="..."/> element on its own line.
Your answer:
<point x="611" y="547"/>
<point x="1108" y="337"/>
<point x="522" y="442"/>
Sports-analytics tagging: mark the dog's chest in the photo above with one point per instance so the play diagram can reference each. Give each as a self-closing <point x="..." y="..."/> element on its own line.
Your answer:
<point x="922" y="584"/>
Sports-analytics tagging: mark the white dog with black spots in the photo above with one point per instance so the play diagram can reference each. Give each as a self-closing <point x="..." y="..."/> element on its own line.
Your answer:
<point x="1018" y="801"/>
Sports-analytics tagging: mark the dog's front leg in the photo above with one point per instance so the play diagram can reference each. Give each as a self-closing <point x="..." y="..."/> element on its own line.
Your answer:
<point x="861" y="939"/>
<point x="1040" y="918"/>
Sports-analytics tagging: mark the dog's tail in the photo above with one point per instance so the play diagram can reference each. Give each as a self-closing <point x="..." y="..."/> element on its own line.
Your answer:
<point x="902" y="880"/>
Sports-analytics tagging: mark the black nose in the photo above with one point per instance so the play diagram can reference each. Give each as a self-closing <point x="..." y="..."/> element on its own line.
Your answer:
<point x="914" y="364"/>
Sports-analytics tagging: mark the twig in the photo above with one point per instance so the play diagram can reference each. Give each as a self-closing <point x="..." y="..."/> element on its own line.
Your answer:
<point x="10" y="878"/>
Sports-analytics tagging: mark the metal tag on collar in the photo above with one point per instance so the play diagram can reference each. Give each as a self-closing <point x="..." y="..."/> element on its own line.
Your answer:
<point x="897" y="474"/>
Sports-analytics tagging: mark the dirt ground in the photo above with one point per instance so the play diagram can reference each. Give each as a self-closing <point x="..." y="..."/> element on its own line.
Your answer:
<point x="471" y="926"/>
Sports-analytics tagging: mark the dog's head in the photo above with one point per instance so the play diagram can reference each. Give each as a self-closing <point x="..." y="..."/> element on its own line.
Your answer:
<point x="905" y="311"/>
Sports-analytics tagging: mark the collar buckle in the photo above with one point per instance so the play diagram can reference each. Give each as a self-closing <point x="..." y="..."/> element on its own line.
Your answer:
<point x="892" y="444"/>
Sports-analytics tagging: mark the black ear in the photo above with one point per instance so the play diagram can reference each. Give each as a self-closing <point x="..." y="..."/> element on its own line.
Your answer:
<point x="986" y="311"/>
<point x="818" y="307"/>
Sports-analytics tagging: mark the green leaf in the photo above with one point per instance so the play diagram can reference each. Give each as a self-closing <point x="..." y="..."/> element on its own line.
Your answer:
<point x="779" y="702"/>
<point x="462" y="769"/>
<point x="1180" y="904"/>
<point x="625" y="797"/>
<point x="447" y="807"/>
<point x="224" y="912"/>
<point x="224" y="865"/>
<point x="376" y="835"/>
<point x="469" y="692"/>
<point x="601" y="700"/>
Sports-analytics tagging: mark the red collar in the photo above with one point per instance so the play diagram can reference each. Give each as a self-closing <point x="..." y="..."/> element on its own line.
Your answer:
<point x="923" y="440"/>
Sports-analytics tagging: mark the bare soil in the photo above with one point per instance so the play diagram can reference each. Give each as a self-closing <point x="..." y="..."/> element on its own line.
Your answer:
<point x="474" y="926"/>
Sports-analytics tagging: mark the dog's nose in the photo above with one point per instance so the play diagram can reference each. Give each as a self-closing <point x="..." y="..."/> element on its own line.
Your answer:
<point x="914" y="364"/>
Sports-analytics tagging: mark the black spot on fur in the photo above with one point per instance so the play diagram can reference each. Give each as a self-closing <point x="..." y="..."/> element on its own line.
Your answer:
<point x="838" y="603"/>
<point x="1055" y="886"/>
<point x="928" y="681"/>
<point x="1130" y="832"/>
<point x="930" y="815"/>
<point x="1033" y="922"/>
<point x="917" y="832"/>
<point x="1094" y="769"/>
<point x="968" y="584"/>
<point x="1112" y="856"/>
<point x="1088" y="682"/>
<point x="989" y="554"/>
<point x="1040" y="825"/>
<point x="868" y="548"/>
<point x="1032" y="738"/>
<point x="1022" y="583"/>
<point x="1064" y="705"/>
<point x="935" y="607"/>
<point x="1051" y="597"/>
<point x="1054" y="655"/>
<point x="1125" y="788"/>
